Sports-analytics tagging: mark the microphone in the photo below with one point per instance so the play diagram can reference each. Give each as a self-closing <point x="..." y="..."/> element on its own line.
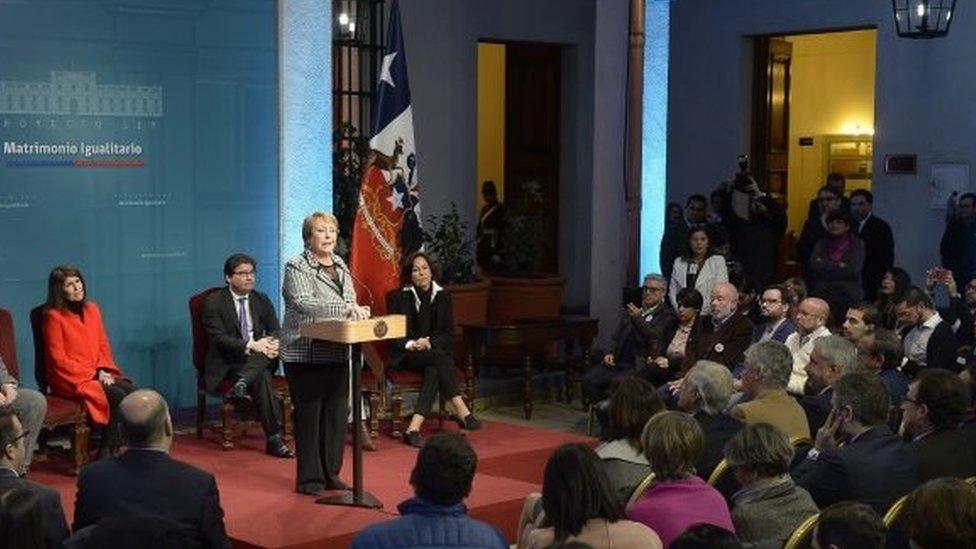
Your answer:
<point x="369" y="293"/>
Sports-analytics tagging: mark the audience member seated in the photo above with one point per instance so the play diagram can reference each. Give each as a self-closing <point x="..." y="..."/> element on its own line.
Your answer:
<point x="856" y="457"/>
<point x="706" y="536"/>
<point x="940" y="514"/>
<point x="962" y="310"/>
<point x="769" y="506"/>
<point x="678" y="498"/>
<point x="837" y="260"/>
<point x="633" y="403"/>
<point x="124" y="533"/>
<point x="13" y="455"/>
<point x="849" y="525"/>
<point x="676" y="234"/>
<point x="811" y="324"/>
<point x="436" y="515"/>
<point x="775" y="306"/>
<point x="145" y="481"/>
<point x="722" y="336"/>
<point x="879" y="243"/>
<point x="894" y="284"/>
<point x="669" y="364"/>
<point x="929" y="342"/>
<point x="429" y="344"/>
<point x="860" y="321"/>
<point x="698" y="267"/>
<point x="241" y="325"/>
<point x="22" y="520"/>
<point x="815" y="227"/>
<point x="768" y="367"/>
<point x="958" y="246"/>
<point x="79" y="358"/>
<point x="705" y="395"/>
<point x="880" y="352"/>
<point x="748" y="305"/>
<point x="832" y="357"/>
<point x="577" y="503"/>
<point x="29" y="405"/>
<point x="641" y="332"/>
<point x="931" y="412"/>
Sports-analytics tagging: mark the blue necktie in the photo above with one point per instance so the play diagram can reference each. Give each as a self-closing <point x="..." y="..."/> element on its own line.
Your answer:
<point x="242" y="314"/>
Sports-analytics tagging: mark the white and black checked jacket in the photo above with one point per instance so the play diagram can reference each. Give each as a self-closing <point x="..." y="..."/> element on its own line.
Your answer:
<point x="311" y="296"/>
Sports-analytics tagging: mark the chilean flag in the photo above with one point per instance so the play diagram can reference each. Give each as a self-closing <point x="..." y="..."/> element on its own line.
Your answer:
<point x="387" y="226"/>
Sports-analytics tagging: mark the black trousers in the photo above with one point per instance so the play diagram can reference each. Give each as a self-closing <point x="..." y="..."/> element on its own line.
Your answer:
<point x="255" y="373"/>
<point x="320" y="394"/>
<point x="598" y="379"/>
<point x="438" y="370"/>
<point x="111" y="433"/>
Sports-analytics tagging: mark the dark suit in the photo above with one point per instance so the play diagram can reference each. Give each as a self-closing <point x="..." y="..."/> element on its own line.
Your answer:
<point x="879" y="254"/>
<point x="817" y="408"/>
<point x="147" y="482"/>
<point x="958" y="250"/>
<point x="875" y="469"/>
<point x="54" y="524"/>
<point x="718" y="429"/>
<point x="945" y="453"/>
<point x="635" y="339"/>
<point x="780" y="334"/>
<point x="725" y="344"/>
<point x="226" y="357"/>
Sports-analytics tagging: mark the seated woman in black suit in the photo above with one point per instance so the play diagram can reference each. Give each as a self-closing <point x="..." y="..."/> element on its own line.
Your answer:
<point x="427" y="347"/>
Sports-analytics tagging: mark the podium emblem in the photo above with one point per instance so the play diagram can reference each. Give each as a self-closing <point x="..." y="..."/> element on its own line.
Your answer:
<point x="380" y="328"/>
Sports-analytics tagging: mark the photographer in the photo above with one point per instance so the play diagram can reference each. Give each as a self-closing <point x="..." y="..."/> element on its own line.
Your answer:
<point x="962" y="308"/>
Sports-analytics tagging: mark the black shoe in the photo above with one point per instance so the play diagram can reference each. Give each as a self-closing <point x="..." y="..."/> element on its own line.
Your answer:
<point x="413" y="438"/>
<point x="277" y="448"/>
<point x="469" y="423"/>
<point x="335" y="484"/>
<point x="309" y="491"/>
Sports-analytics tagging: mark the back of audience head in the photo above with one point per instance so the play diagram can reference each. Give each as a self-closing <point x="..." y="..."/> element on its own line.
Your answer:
<point x="861" y="399"/>
<point x="707" y="388"/>
<point x="775" y="302"/>
<point x="21" y="519"/>
<point x="914" y="307"/>
<point x="768" y="366"/>
<point x="706" y="536"/>
<point x="861" y="320"/>
<point x="575" y="489"/>
<point x="759" y="451"/>
<point x="13" y="439"/>
<point x="895" y="283"/>
<point x="633" y="403"/>
<point x="880" y="350"/>
<point x="444" y="469"/>
<point x="832" y="357"/>
<point x="849" y="525"/>
<point x="673" y="442"/>
<point x="937" y="400"/>
<point x="941" y="513"/>
<point x="145" y="420"/>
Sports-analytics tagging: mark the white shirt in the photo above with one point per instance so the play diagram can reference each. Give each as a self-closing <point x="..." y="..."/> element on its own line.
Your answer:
<point x="917" y="340"/>
<point x="801" y="347"/>
<point x="860" y="225"/>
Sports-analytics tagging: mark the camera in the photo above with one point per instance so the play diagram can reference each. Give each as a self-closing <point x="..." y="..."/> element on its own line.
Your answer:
<point x="742" y="180"/>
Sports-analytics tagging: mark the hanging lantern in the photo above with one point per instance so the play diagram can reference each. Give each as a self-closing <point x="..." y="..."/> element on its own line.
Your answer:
<point x="923" y="18"/>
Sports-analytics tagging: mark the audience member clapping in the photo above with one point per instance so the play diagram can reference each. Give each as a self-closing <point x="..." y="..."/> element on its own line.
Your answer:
<point x="849" y="525"/>
<point x="633" y="403"/>
<point x="677" y="498"/>
<point x="705" y="395"/>
<point x="769" y="506"/>
<point x="941" y="514"/>
<point x="931" y="413"/>
<point x="768" y="367"/>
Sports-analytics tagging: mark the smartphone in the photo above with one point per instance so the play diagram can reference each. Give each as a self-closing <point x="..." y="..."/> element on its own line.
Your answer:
<point x="940" y="274"/>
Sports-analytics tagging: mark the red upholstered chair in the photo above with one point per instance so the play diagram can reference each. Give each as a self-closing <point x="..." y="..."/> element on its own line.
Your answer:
<point x="62" y="413"/>
<point x="228" y="425"/>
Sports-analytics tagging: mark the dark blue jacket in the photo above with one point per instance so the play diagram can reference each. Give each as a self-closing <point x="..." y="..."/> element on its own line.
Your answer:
<point x="425" y="525"/>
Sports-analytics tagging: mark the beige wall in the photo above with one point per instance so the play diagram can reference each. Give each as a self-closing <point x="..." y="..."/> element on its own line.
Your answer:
<point x="832" y="92"/>
<point x="491" y="119"/>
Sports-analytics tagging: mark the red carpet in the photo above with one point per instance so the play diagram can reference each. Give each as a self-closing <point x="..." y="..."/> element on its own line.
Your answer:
<point x="262" y="510"/>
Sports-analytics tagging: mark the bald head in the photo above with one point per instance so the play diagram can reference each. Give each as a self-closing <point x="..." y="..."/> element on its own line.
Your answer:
<point x="724" y="299"/>
<point x="145" y="419"/>
<point x="812" y="314"/>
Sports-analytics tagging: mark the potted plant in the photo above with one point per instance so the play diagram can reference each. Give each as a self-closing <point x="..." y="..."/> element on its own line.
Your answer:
<point x="446" y="239"/>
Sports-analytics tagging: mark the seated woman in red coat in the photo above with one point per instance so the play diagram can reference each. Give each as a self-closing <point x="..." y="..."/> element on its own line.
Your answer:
<point x="79" y="359"/>
<point x="428" y="345"/>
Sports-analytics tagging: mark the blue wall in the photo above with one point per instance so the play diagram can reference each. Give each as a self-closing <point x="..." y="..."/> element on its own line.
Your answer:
<point x="146" y="237"/>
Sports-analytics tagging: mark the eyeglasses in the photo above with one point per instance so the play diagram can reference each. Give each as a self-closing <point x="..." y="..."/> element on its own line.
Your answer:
<point x="244" y="273"/>
<point x="25" y="434"/>
<point x="652" y="289"/>
<point x="770" y="301"/>
<point x="906" y="398"/>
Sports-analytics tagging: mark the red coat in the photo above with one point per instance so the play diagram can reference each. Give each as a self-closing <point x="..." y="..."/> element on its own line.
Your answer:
<point x="75" y="350"/>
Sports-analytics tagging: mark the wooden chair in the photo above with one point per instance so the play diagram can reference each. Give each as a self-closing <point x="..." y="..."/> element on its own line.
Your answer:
<point x="640" y="490"/>
<point x="228" y="425"/>
<point x="971" y="481"/>
<point x="803" y="535"/>
<point x="894" y="512"/>
<point x="62" y="413"/>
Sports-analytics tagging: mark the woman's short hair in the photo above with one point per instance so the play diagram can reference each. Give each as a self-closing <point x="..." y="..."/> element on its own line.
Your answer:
<point x="713" y="383"/>
<point x="840" y="215"/>
<point x="942" y="513"/>
<point x="309" y="223"/>
<point x="672" y="444"/>
<point x="762" y="448"/>
<point x="575" y="489"/>
<point x="686" y="253"/>
<point x="21" y="518"/>
<point x="850" y="524"/>
<point x="444" y="469"/>
<point x="633" y="403"/>
<point x="406" y="268"/>
<point x="690" y="298"/>
<point x="706" y="536"/>
<point x="55" y="286"/>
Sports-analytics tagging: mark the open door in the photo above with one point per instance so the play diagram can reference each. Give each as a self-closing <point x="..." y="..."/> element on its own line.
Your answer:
<point x="771" y="114"/>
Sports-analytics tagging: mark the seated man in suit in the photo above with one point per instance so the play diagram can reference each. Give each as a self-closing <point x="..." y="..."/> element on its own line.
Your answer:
<point x="768" y="366"/>
<point x="930" y="342"/>
<point x="242" y="325"/>
<point x="145" y="481"/>
<point x="13" y="455"/>
<point x="880" y="352"/>
<point x="29" y="405"/>
<point x="832" y="357"/>
<point x="811" y="324"/>
<point x="642" y="331"/>
<point x="860" y="321"/>
<point x="722" y="336"/>
<point x="931" y="413"/>
<point x="873" y="466"/>
<point x="775" y="306"/>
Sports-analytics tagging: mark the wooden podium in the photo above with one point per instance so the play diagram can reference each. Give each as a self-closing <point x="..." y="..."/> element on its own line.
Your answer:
<point x="349" y="333"/>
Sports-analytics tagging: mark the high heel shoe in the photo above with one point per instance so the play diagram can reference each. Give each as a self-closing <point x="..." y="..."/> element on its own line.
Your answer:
<point x="413" y="438"/>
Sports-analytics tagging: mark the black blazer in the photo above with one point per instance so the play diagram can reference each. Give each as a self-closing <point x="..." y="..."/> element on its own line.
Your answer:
<point x="718" y="430"/>
<point x="147" y="482"/>
<point x="875" y="469"/>
<point x="941" y="349"/>
<point x="817" y="408"/>
<point x="727" y="345"/>
<point x="404" y="302"/>
<point x="227" y="345"/>
<point x="944" y="453"/>
<point x="643" y="336"/>
<point x="879" y="254"/>
<point x="54" y="524"/>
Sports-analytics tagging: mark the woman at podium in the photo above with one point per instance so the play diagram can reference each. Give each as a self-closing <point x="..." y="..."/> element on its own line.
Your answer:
<point x="428" y="346"/>
<point x="318" y="287"/>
